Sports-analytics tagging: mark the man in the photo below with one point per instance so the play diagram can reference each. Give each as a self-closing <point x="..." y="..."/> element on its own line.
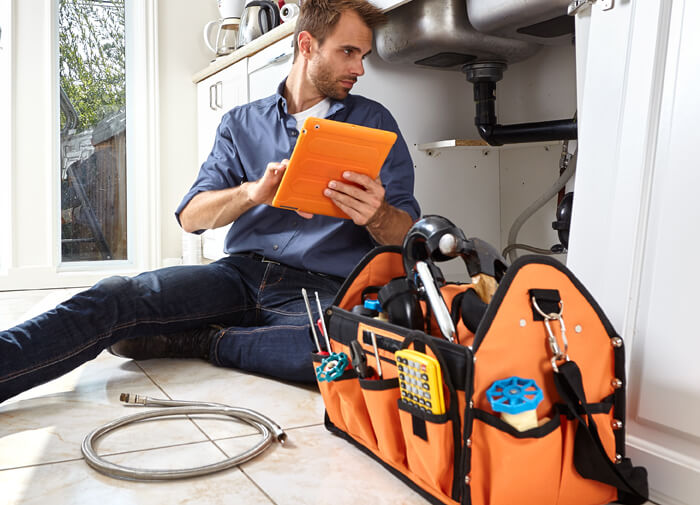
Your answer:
<point x="245" y="310"/>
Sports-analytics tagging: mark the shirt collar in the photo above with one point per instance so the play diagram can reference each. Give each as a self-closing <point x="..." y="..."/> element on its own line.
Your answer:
<point x="281" y="102"/>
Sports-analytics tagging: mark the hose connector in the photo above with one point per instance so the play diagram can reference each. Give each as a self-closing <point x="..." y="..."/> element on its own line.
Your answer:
<point x="133" y="399"/>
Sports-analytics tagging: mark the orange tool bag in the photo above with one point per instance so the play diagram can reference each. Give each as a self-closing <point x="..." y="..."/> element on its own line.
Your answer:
<point x="541" y="325"/>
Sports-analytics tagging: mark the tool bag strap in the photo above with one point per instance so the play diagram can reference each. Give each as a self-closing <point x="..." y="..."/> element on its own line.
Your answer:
<point x="590" y="458"/>
<point x="420" y="342"/>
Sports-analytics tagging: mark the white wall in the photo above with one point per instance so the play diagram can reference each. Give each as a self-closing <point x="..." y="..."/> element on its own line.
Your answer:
<point x="181" y="53"/>
<point x="541" y="88"/>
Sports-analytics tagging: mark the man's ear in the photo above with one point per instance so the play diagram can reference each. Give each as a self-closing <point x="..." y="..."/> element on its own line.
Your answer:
<point x="305" y="43"/>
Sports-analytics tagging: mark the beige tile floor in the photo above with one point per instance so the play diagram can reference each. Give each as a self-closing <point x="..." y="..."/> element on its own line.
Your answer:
<point x="42" y="429"/>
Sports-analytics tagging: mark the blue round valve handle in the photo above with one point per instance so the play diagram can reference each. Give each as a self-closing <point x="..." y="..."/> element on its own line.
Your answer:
<point x="332" y="367"/>
<point x="514" y="395"/>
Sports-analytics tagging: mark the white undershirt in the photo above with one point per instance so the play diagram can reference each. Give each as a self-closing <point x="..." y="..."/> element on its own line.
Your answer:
<point x="319" y="110"/>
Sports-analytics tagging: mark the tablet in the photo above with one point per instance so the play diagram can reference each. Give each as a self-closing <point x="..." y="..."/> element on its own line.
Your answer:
<point x="325" y="149"/>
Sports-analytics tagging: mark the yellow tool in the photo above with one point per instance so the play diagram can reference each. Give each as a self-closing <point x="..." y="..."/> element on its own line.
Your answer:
<point x="420" y="380"/>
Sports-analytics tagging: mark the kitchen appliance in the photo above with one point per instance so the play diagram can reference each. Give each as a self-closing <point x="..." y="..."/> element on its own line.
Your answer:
<point x="226" y="35"/>
<point x="230" y="8"/>
<point x="259" y="16"/>
<point x="226" y="27"/>
<point x="541" y="21"/>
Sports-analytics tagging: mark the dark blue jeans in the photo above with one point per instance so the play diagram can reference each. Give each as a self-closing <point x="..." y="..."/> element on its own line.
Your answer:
<point x="259" y="304"/>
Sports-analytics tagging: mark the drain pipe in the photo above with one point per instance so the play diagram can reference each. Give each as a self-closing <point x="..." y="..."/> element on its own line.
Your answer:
<point x="484" y="76"/>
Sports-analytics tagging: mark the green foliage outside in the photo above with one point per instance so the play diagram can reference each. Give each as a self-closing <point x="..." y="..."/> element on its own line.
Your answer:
<point x="92" y="58"/>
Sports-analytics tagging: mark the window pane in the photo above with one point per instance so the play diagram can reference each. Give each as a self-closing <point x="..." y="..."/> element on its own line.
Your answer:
<point x="93" y="129"/>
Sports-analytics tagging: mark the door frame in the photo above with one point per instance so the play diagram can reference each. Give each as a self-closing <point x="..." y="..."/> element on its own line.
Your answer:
<point x="33" y="257"/>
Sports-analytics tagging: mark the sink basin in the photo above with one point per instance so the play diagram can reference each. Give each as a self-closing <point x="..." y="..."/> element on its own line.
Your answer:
<point x="437" y="33"/>
<point x="541" y="21"/>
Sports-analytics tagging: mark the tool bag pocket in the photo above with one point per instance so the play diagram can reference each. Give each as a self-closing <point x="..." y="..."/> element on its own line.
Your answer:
<point x="508" y="465"/>
<point x="345" y="405"/>
<point x="430" y="452"/>
<point x="381" y="397"/>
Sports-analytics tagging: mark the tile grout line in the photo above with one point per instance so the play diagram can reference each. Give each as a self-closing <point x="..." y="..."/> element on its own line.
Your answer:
<point x="197" y="426"/>
<point x="240" y="467"/>
<point x="152" y="379"/>
<point x="45" y="463"/>
<point x="257" y="433"/>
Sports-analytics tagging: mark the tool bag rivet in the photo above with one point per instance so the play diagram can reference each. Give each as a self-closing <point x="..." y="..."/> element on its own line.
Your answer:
<point x="616" y="342"/>
<point x="467" y="480"/>
<point x="616" y="424"/>
<point x="616" y="383"/>
<point x="618" y="458"/>
<point x="469" y="442"/>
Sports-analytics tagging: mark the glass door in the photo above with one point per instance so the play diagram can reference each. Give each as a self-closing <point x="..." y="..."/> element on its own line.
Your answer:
<point x="92" y="80"/>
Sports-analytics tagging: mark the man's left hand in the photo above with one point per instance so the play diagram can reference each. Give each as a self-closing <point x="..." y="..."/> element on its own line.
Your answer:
<point x="362" y="198"/>
<point x="359" y="196"/>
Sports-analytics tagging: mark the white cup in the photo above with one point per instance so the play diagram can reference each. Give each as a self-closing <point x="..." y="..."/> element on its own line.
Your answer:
<point x="230" y="8"/>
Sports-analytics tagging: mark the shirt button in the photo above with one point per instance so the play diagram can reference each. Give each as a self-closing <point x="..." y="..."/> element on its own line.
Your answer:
<point x="293" y="133"/>
<point x="275" y="247"/>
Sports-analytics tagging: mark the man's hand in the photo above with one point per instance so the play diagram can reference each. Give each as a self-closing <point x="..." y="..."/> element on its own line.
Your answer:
<point x="362" y="198"/>
<point x="263" y="190"/>
<point x="212" y="209"/>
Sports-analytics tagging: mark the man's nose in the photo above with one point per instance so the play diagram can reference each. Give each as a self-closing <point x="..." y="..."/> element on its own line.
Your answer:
<point x="358" y="67"/>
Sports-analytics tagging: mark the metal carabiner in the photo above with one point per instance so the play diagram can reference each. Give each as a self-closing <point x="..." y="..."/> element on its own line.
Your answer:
<point x="557" y="354"/>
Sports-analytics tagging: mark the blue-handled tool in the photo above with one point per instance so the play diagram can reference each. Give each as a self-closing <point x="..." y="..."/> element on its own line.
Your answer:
<point x="517" y="400"/>
<point x="333" y="365"/>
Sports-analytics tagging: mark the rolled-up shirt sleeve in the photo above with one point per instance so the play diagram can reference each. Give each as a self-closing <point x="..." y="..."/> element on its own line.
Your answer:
<point x="222" y="168"/>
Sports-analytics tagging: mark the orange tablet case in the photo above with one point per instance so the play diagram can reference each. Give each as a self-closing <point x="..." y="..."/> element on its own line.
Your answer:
<point x="325" y="149"/>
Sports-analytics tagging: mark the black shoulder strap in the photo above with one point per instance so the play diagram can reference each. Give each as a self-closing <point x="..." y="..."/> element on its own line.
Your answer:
<point x="590" y="458"/>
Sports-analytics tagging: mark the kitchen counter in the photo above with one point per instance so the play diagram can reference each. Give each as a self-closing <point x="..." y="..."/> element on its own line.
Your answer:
<point x="249" y="49"/>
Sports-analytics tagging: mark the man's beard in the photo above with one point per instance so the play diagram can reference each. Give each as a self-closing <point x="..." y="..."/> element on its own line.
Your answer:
<point x="329" y="86"/>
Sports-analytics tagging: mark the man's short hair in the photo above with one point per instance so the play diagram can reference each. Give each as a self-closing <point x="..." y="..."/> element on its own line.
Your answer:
<point x="319" y="17"/>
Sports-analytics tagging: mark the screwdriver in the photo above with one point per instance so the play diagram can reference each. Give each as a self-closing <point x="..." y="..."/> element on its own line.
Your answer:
<point x="311" y="319"/>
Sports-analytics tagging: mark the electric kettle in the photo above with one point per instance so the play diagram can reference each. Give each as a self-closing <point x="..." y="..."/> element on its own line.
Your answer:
<point x="259" y="16"/>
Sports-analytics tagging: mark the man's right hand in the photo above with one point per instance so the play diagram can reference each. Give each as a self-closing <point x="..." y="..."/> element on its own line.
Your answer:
<point x="212" y="209"/>
<point x="263" y="190"/>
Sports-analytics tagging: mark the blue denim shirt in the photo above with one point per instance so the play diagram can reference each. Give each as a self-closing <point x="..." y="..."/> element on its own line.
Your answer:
<point x="253" y="135"/>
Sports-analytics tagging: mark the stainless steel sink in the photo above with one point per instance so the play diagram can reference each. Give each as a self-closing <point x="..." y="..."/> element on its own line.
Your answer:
<point x="437" y="33"/>
<point x="541" y="21"/>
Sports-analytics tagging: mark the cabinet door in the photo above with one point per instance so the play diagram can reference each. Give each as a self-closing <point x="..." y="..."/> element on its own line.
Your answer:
<point x="267" y="68"/>
<point x="632" y="243"/>
<point x="216" y="95"/>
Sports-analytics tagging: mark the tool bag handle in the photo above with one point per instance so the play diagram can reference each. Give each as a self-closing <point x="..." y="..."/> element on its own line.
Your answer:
<point x="590" y="458"/>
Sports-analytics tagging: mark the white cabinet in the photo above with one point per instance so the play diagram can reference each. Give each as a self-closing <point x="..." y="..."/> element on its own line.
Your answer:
<point x="632" y="238"/>
<point x="216" y="95"/>
<point x="267" y="68"/>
